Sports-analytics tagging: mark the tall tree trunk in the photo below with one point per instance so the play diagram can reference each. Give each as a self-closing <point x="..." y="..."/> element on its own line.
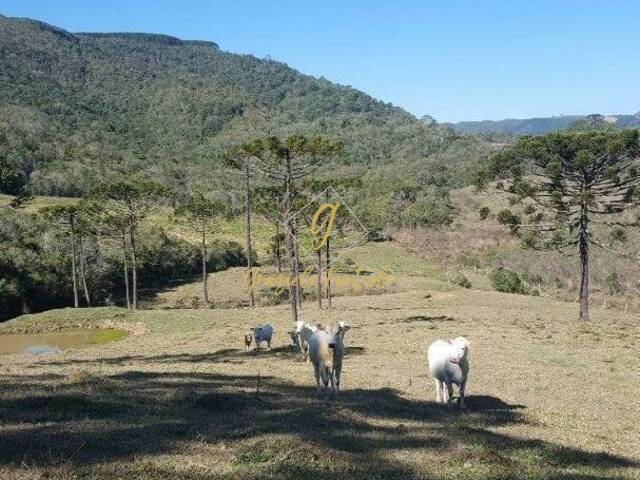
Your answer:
<point x="125" y="262"/>
<point x="319" y="254"/>
<point x="583" y="242"/>
<point x="73" y="261"/>
<point x="328" y="272"/>
<point x="247" y="176"/>
<point x="205" y="291"/>
<point x="328" y="260"/>
<point x="288" y="231"/>
<point x="134" y="269"/>
<point x="278" y="254"/>
<point x="295" y="243"/>
<point x="83" y="277"/>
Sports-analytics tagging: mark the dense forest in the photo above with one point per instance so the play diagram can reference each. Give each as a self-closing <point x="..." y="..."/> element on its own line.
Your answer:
<point x="80" y="110"/>
<point x="79" y="107"/>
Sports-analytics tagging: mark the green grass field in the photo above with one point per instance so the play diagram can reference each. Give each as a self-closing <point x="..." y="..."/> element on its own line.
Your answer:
<point x="180" y="398"/>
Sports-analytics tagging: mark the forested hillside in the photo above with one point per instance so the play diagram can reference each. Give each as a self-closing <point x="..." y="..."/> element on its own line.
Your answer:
<point x="79" y="110"/>
<point x="75" y="108"/>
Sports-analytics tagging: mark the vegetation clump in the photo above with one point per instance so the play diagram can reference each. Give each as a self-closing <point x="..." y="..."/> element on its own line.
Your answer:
<point x="461" y="280"/>
<point x="507" y="281"/>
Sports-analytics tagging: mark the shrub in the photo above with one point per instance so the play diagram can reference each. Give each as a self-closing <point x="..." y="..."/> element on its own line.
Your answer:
<point x="462" y="281"/>
<point x="470" y="259"/>
<point x="163" y="257"/>
<point x="274" y="295"/>
<point x="613" y="283"/>
<point x="345" y="265"/>
<point x="484" y="213"/>
<point x="506" y="217"/>
<point x="507" y="281"/>
<point x="10" y="301"/>
<point x="619" y="235"/>
<point x="377" y="234"/>
<point x="224" y="255"/>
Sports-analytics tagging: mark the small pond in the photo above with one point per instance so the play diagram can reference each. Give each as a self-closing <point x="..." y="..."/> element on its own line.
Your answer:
<point x="44" y="343"/>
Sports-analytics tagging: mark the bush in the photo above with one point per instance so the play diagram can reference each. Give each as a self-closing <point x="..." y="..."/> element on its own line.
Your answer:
<point x="224" y="255"/>
<point x="274" y="295"/>
<point x="377" y="234"/>
<point x="507" y="281"/>
<point x="35" y="264"/>
<point x="484" y="213"/>
<point x="164" y="257"/>
<point x="613" y="283"/>
<point x="506" y="217"/>
<point x="345" y="265"/>
<point x="462" y="281"/>
<point x="619" y="235"/>
<point x="10" y="302"/>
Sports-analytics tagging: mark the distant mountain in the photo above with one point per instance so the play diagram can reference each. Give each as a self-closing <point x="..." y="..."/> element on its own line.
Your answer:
<point x="606" y="122"/>
<point x="540" y="126"/>
<point x="77" y="107"/>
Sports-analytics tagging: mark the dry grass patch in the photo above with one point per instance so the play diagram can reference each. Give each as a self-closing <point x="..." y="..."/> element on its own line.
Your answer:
<point x="549" y="398"/>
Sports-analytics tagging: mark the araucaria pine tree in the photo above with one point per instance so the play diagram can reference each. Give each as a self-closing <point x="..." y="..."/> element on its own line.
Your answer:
<point x="202" y="213"/>
<point x="569" y="182"/>
<point x="286" y="161"/>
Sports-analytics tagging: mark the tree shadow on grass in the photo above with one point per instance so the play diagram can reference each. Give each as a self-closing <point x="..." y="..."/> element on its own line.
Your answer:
<point x="227" y="355"/>
<point x="274" y="428"/>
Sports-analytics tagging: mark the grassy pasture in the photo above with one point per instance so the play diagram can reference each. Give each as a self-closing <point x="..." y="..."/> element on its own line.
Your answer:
<point x="180" y="399"/>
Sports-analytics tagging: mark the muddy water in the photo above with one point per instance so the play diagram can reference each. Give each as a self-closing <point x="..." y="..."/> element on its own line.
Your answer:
<point x="44" y="343"/>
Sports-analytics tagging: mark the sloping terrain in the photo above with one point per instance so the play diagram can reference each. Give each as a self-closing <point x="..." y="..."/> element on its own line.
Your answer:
<point x="476" y="246"/>
<point x="77" y="107"/>
<point x="180" y="398"/>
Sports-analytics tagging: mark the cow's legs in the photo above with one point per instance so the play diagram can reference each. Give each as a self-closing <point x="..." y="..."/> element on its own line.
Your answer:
<point x="316" y="371"/>
<point x="446" y="392"/>
<point x="463" y="406"/>
<point x="438" y="391"/>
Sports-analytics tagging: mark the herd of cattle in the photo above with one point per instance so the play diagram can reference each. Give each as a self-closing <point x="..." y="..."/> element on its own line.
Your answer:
<point x="448" y="360"/>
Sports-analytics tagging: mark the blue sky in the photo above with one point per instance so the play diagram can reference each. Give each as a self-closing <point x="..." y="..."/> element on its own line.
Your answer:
<point x="455" y="60"/>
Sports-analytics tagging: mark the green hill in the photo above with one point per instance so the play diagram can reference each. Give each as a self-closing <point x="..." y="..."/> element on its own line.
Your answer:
<point x="75" y="107"/>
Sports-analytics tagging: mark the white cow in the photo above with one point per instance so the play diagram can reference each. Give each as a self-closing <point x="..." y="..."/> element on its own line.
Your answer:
<point x="449" y="364"/>
<point x="303" y="332"/>
<point x="326" y="351"/>
<point x="262" y="333"/>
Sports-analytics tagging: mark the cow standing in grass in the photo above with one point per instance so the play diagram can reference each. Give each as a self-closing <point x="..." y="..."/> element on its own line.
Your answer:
<point x="326" y="351"/>
<point x="261" y="333"/>
<point x="449" y="364"/>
